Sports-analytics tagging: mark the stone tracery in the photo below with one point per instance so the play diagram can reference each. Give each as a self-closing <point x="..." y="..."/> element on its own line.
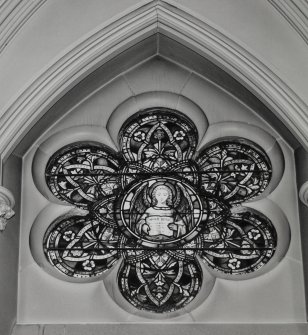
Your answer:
<point x="160" y="234"/>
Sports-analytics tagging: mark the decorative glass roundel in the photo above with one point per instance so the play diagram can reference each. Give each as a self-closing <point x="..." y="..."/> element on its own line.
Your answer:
<point x="161" y="212"/>
<point x="161" y="208"/>
<point x="83" y="173"/>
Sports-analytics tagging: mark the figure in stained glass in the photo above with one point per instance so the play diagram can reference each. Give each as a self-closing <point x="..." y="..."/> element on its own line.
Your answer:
<point x="161" y="211"/>
<point x="161" y="220"/>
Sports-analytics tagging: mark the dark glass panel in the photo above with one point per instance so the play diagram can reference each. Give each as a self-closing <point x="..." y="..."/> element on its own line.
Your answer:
<point x="83" y="173"/>
<point x="241" y="244"/>
<point x="160" y="283"/>
<point x="81" y="247"/>
<point x="235" y="169"/>
<point x="158" y="138"/>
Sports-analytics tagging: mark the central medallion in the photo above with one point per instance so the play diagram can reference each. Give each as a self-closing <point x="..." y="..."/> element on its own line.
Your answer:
<point x="161" y="212"/>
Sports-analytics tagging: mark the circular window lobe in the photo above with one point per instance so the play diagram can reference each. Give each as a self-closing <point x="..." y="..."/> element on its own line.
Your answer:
<point x="158" y="138"/>
<point x="81" y="247"/>
<point x="236" y="170"/>
<point x="160" y="283"/>
<point x="242" y="243"/>
<point x="83" y="173"/>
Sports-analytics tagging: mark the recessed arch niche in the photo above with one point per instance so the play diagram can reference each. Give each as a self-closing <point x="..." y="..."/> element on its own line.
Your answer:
<point x="94" y="103"/>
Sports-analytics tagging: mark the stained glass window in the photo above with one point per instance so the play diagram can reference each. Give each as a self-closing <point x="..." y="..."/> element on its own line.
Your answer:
<point x="160" y="207"/>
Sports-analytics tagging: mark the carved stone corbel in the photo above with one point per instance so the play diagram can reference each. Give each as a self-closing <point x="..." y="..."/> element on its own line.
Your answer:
<point x="7" y="203"/>
<point x="303" y="193"/>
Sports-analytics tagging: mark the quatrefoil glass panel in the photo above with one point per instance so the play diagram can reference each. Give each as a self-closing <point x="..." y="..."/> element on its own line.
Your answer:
<point x="160" y="207"/>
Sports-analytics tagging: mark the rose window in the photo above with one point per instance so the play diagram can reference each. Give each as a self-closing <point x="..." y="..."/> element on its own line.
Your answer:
<point x="162" y="208"/>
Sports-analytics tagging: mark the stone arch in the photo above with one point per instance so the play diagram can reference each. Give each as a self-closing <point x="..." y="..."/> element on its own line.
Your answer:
<point x="145" y="20"/>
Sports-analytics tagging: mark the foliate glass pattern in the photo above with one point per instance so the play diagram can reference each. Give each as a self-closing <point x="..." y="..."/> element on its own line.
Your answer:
<point x="234" y="170"/>
<point x="161" y="207"/>
<point x="83" y="173"/>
